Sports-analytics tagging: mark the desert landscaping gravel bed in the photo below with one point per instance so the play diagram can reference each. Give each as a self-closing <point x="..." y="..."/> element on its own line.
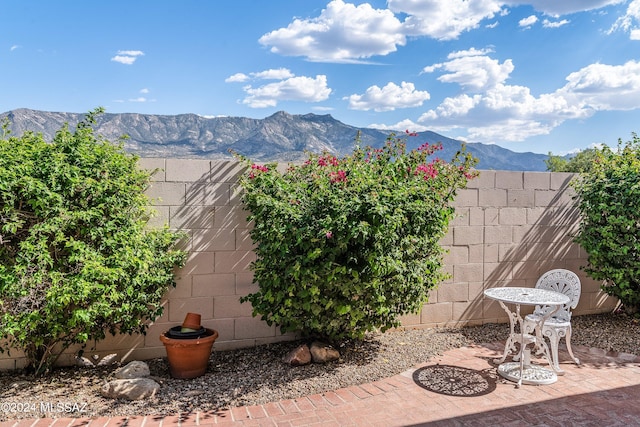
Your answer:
<point x="258" y="375"/>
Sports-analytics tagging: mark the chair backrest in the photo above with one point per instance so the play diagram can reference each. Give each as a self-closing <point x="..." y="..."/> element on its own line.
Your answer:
<point x="563" y="281"/>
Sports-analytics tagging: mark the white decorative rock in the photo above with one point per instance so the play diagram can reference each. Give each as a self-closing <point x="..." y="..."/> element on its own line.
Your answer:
<point x="130" y="389"/>
<point x="135" y="369"/>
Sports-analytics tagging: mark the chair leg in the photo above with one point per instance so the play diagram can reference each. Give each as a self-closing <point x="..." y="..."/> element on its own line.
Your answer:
<point x="567" y="340"/>
<point x="554" y="339"/>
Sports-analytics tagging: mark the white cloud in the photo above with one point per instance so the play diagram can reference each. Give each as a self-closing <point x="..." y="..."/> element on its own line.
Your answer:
<point x="452" y="107"/>
<point x="131" y="52"/>
<point x="400" y="126"/>
<point x="342" y="33"/>
<point x="629" y="22"/>
<point x="509" y="130"/>
<point x="470" y="52"/>
<point x="605" y="87"/>
<point x="209" y="116"/>
<point x="237" y="78"/>
<point x="273" y="74"/>
<point x="444" y="19"/>
<point x="127" y="57"/>
<point x="563" y="7"/>
<point x="14" y="47"/>
<point x="289" y="87"/>
<point x="128" y="60"/>
<point x="504" y="113"/>
<point x="304" y="89"/>
<point x="472" y="69"/>
<point x="528" y="21"/>
<point x="144" y="90"/>
<point x="497" y="111"/>
<point x="512" y="113"/>
<point x="139" y="99"/>
<point x="555" y="24"/>
<point x="388" y="98"/>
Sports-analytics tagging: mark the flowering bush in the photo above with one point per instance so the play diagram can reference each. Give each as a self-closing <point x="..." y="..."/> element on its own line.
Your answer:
<point x="346" y="245"/>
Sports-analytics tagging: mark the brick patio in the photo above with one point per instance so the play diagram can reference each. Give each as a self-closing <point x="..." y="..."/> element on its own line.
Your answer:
<point x="603" y="391"/>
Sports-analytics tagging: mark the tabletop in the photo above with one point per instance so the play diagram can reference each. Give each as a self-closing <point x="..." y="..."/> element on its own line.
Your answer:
<point x="526" y="296"/>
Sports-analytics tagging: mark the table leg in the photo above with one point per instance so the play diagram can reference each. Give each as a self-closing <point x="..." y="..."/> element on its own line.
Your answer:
<point x="509" y="346"/>
<point x="523" y="353"/>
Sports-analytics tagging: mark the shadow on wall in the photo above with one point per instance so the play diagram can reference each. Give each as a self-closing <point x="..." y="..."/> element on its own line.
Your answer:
<point x="543" y="243"/>
<point x="217" y="272"/>
<point x="211" y="213"/>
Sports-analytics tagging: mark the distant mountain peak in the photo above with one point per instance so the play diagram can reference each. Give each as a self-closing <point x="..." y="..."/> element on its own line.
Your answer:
<point x="279" y="137"/>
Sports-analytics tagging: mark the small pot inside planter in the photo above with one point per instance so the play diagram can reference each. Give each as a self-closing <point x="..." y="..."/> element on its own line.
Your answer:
<point x="179" y="333"/>
<point x="191" y="322"/>
<point x="188" y="352"/>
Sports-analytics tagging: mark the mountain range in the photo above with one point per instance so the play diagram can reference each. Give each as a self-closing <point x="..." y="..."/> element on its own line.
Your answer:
<point x="279" y="137"/>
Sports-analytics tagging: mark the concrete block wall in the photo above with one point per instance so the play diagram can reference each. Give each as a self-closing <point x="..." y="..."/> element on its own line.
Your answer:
<point x="510" y="228"/>
<point x="202" y="198"/>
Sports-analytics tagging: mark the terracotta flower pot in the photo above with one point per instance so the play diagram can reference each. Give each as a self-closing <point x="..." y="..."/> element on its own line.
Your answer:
<point x="189" y="358"/>
<point x="191" y="321"/>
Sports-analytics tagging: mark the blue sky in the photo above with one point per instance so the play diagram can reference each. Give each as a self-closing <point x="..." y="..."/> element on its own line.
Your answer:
<point x="536" y="75"/>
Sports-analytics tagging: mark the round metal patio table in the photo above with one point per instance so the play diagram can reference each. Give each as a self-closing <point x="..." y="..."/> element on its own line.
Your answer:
<point x="521" y="370"/>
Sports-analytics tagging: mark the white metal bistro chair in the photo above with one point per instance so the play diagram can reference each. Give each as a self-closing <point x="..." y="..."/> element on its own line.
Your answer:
<point x="558" y="325"/>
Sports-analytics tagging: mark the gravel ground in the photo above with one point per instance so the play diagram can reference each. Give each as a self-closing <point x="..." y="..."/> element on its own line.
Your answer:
<point x="257" y="375"/>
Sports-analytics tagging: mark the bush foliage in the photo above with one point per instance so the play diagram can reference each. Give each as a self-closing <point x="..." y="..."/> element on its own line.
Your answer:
<point x="76" y="258"/>
<point x="347" y="245"/>
<point x="608" y="197"/>
<point x="580" y="162"/>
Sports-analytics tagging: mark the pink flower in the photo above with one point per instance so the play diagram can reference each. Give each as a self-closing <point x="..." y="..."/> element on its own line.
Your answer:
<point x="340" y="176"/>
<point x="428" y="171"/>
<point x="259" y="167"/>
<point x="328" y="160"/>
<point x="328" y="234"/>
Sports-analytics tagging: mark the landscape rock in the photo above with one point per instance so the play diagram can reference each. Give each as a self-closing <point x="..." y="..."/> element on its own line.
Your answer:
<point x="130" y="389"/>
<point x="135" y="369"/>
<point x="323" y="353"/>
<point x="107" y="360"/>
<point x="84" y="362"/>
<point x="298" y="356"/>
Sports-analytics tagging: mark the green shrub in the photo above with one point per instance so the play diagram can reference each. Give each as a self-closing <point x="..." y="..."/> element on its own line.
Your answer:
<point x="608" y="198"/>
<point x="580" y="162"/>
<point x="346" y="245"/>
<point x="76" y="259"/>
